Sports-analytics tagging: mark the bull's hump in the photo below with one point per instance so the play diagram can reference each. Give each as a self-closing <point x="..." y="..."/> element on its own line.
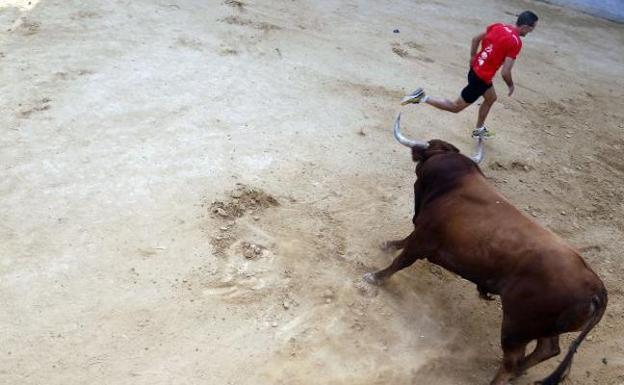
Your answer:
<point x="450" y="164"/>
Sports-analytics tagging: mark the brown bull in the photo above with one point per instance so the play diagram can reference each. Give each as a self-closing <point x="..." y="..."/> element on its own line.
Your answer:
<point x="464" y="225"/>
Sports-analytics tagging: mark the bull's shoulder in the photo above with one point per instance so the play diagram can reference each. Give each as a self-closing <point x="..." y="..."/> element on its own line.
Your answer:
<point x="443" y="173"/>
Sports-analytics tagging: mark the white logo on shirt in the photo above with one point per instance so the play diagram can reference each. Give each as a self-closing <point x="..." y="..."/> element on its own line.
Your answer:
<point x="484" y="54"/>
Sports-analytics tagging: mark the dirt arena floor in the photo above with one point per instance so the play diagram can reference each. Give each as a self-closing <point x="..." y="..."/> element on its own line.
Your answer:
<point x="190" y="191"/>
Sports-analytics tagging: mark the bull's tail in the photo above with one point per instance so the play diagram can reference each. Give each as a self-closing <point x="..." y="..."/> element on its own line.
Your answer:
<point x="599" y="302"/>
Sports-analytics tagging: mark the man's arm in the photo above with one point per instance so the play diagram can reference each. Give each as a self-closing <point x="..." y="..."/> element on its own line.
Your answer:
<point x="506" y="73"/>
<point x="475" y="44"/>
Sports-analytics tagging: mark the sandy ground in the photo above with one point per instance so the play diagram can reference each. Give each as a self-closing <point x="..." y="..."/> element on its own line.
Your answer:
<point x="190" y="191"/>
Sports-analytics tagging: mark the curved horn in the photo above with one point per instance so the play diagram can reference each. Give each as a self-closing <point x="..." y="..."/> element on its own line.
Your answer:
<point x="403" y="140"/>
<point x="478" y="155"/>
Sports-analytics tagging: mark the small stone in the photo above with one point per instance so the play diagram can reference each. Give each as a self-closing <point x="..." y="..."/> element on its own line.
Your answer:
<point x="604" y="360"/>
<point x="568" y="136"/>
<point x="563" y="213"/>
<point x="223" y="228"/>
<point x="286" y="305"/>
<point x="396" y="31"/>
<point x="328" y="300"/>
<point x="256" y="218"/>
<point x="534" y="213"/>
<point x="274" y="324"/>
<point x="221" y="212"/>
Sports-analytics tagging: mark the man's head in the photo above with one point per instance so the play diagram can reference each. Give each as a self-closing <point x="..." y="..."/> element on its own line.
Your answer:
<point x="526" y="22"/>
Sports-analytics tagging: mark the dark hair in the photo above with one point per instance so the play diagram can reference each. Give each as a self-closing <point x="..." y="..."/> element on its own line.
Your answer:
<point x="527" y="18"/>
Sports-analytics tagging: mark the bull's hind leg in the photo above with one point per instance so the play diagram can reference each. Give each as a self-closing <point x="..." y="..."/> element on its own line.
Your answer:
<point x="403" y="260"/>
<point x="513" y="353"/>
<point x="546" y="348"/>
<point x="514" y="340"/>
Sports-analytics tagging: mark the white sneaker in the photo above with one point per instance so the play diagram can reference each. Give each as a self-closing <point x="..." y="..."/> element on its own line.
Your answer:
<point x="414" y="98"/>
<point x="482" y="132"/>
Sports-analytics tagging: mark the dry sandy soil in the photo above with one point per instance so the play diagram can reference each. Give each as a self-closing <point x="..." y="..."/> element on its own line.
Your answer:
<point x="190" y="191"/>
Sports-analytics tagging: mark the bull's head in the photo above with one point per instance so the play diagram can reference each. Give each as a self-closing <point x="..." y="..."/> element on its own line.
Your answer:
<point x="422" y="150"/>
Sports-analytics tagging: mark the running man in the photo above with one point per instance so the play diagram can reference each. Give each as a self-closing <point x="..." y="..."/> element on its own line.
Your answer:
<point x="500" y="46"/>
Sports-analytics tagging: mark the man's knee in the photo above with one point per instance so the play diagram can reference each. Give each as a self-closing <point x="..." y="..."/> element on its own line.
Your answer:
<point x="491" y="99"/>
<point x="490" y="96"/>
<point x="457" y="107"/>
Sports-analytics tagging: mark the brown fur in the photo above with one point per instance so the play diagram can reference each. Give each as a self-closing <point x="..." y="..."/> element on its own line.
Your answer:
<point x="464" y="225"/>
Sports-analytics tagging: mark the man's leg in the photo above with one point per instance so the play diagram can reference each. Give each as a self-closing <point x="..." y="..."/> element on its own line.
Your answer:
<point x="447" y="105"/>
<point x="419" y="96"/>
<point x="489" y="97"/>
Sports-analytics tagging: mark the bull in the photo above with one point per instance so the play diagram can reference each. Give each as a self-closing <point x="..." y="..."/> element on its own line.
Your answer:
<point x="464" y="225"/>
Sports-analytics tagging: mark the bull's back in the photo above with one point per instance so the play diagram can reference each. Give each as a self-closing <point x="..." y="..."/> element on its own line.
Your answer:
<point x="475" y="232"/>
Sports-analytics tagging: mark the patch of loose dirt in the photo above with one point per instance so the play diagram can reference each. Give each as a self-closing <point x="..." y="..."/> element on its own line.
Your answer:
<point x="38" y="106"/>
<point x="262" y="26"/>
<point x="243" y="200"/>
<point x="400" y="52"/>
<point x="238" y="5"/>
<point x="28" y="27"/>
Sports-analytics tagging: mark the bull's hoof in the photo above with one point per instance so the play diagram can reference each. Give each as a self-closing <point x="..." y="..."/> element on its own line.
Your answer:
<point x="365" y="288"/>
<point x="371" y="278"/>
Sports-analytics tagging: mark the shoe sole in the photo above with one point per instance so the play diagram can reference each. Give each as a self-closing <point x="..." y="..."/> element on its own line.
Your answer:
<point x="414" y="97"/>
<point x="486" y="136"/>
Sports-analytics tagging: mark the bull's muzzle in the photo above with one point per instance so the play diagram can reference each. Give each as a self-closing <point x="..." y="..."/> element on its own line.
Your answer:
<point x="403" y="140"/>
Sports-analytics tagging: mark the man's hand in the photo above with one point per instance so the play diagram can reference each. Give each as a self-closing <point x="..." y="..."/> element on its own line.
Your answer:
<point x="506" y="73"/>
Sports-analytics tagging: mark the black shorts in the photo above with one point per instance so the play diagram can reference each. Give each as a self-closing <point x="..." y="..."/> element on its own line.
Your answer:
<point x="475" y="88"/>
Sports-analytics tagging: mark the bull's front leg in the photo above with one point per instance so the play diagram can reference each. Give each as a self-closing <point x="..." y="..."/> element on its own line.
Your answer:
<point x="407" y="257"/>
<point x="394" y="245"/>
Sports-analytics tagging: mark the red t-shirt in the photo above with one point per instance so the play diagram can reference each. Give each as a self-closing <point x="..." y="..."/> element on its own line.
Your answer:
<point x="500" y="41"/>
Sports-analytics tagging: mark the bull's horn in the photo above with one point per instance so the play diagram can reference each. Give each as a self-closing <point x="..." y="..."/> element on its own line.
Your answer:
<point x="478" y="155"/>
<point x="403" y="140"/>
